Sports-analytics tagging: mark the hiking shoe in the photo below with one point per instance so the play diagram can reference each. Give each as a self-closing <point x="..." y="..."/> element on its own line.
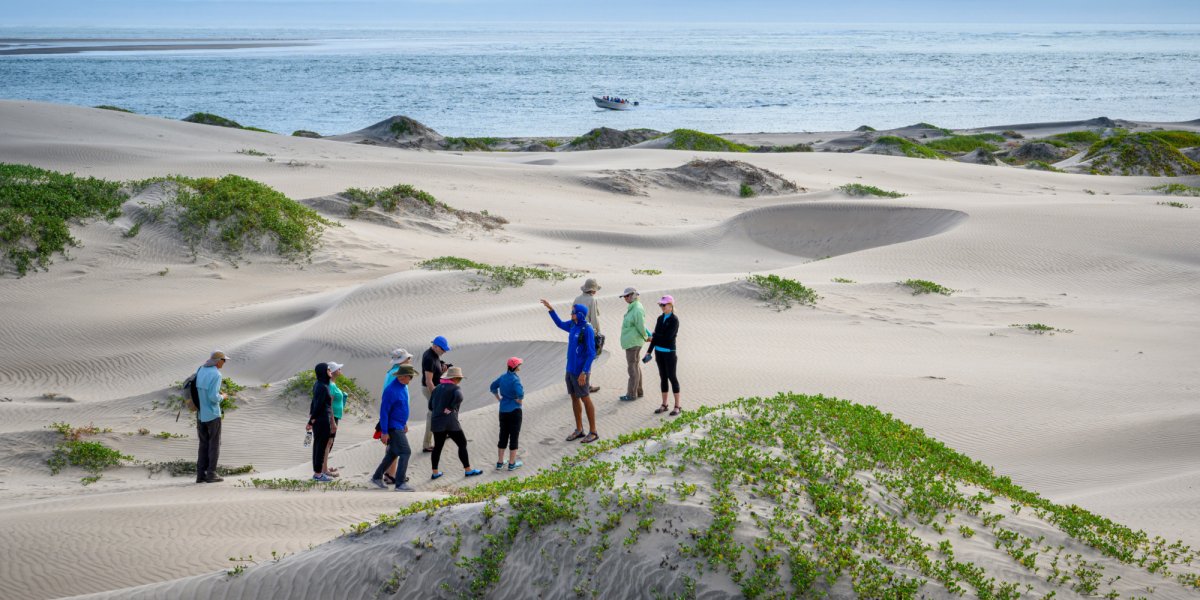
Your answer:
<point x="472" y="473"/>
<point x="499" y="466"/>
<point x="515" y="466"/>
<point x="214" y="479"/>
<point x="436" y="475"/>
<point x="404" y="487"/>
<point x="379" y="483"/>
<point x="626" y="399"/>
<point x="323" y="478"/>
<point x="594" y="389"/>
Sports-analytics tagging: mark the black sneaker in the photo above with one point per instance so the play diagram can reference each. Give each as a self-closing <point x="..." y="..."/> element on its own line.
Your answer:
<point x="214" y="479"/>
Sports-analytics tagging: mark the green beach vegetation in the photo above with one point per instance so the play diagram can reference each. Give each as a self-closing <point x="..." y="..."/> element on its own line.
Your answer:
<point x="358" y="400"/>
<point x="923" y="286"/>
<point x="1039" y="328"/>
<point x="204" y="118"/>
<point x="690" y="139"/>
<point x="1041" y="165"/>
<point x="93" y="457"/>
<point x="300" y="485"/>
<point x="496" y="277"/>
<point x="1178" y="139"/>
<point x="233" y="213"/>
<point x="390" y="198"/>
<point x="842" y="280"/>
<point x="797" y="494"/>
<point x="476" y="144"/>
<point x="909" y="148"/>
<point x="966" y="143"/>
<point x="1139" y="154"/>
<point x="37" y="208"/>
<point x="180" y="468"/>
<point x="1174" y="204"/>
<point x="115" y="108"/>
<point x="781" y="292"/>
<point x="745" y="191"/>
<point x="859" y="190"/>
<point x="1177" y="189"/>
<point x="646" y="272"/>
<point x="1085" y="138"/>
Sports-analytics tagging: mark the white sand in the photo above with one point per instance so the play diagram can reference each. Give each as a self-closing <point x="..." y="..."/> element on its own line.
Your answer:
<point x="1104" y="417"/>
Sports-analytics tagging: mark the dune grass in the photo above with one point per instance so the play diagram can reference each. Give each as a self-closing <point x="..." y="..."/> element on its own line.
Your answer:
<point x="922" y="286"/>
<point x="179" y="468"/>
<point x="966" y="143"/>
<point x="1174" y="204"/>
<point x="1085" y="137"/>
<point x="859" y="190"/>
<point x="781" y="292"/>
<point x="93" y="457"/>
<point x="496" y="277"/>
<point x="204" y="118"/>
<point x="1139" y="154"/>
<point x="690" y="139"/>
<point x="909" y="148"/>
<point x="646" y="272"/>
<point x="1041" y="165"/>
<point x="300" y="485"/>
<point x="37" y="208"/>
<point x="358" y="400"/>
<point x="1039" y="328"/>
<point x="474" y="144"/>
<point x="805" y="491"/>
<point x="233" y="214"/>
<point x="1177" y="189"/>
<point x="389" y="198"/>
<point x="1178" y="139"/>
<point x="115" y="108"/>
<point x="842" y="280"/>
<point x="745" y="191"/>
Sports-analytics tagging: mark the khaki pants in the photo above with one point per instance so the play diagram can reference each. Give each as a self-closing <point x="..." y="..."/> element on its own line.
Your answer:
<point x="427" y="441"/>
<point x="634" y="366"/>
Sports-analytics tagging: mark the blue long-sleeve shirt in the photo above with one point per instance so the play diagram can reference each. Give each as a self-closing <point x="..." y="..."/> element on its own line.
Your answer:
<point x="208" y="383"/>
<point x="581" y="341"/>
<point x="393" y="410"/>
<point x="510" y="389"/>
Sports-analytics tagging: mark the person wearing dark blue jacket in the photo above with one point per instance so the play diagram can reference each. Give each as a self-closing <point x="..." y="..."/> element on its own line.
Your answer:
<point x="393" y="422"/>
<point x="581" y="351"/>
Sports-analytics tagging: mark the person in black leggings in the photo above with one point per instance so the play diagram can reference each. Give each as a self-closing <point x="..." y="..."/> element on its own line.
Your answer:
<point x="321" y="421"/>
<point x="662" y="349"/>
<point x="446" y="400"/>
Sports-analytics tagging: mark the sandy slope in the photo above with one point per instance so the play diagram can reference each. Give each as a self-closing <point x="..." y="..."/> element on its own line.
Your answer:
<point x="1104" y="416"/>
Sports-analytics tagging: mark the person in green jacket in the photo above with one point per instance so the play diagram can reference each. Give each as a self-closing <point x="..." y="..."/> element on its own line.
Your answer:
<point x="339" y="407"/>
<point x="633" y="335"/>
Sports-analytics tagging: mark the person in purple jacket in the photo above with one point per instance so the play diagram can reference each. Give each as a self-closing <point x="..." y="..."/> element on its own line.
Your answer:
<point x="581" y="351"/>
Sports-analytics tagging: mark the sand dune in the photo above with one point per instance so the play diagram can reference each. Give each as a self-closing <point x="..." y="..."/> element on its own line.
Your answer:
<point x="1099" y="416"/>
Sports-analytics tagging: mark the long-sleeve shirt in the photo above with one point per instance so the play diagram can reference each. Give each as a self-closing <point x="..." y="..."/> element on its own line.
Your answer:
<point x="666" y="328"/>
<point x="320" y="411"/>
<point x="510" y="389"/>
<point x="393" y="410"/>
<point x="581" y="341"/>
<point x="593" y="314"/>
<point x="446" y="396"/>
<point x="208" y="384"/>
<point x="633" y="327"/>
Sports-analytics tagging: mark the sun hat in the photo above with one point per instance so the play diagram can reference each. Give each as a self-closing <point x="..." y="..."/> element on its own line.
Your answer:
<point x="590" y="286"/>
<point x="453" y="373"/>
<point x="668" y="299"/>
<point x="629" y="291"/>
<point x="334" y="367"/>
<point x="514" y="362"/>
<point x="218" y="355"/>
<point x="408" y="370"/>
<point x="400" y="355"/>
<point x="441" y="342"/>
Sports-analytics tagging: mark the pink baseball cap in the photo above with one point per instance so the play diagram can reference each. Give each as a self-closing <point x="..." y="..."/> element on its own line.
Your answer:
<point x="514" y="362"/>
<point x="666" y="300"/>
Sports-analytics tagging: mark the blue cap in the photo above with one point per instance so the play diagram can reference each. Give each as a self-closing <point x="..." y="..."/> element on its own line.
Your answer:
<point x="441" y="342"/>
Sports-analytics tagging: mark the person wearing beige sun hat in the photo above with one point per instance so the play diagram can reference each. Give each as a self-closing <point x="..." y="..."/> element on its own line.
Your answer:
<point x="587" y="298"/>
<point x="446" y="400"/>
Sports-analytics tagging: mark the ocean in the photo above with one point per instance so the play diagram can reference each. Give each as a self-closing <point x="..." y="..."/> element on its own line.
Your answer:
<point x="528" y="80"/>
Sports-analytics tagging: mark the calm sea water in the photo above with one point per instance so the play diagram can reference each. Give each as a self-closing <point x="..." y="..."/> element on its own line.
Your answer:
<point x="537" y="80"/>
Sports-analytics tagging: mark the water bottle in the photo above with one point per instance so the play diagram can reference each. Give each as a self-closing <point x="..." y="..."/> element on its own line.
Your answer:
<point x="307" y="439"/>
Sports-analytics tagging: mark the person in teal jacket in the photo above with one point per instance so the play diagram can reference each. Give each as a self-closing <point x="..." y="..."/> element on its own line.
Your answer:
<point x="339" y="408"/>
<point x="208" y="422"/>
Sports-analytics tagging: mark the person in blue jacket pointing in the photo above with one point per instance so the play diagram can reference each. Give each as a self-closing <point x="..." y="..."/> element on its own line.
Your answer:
<point x="581" y="351"/>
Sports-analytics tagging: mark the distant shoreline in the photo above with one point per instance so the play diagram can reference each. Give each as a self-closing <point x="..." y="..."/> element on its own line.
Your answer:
<point x="117" y="46"/>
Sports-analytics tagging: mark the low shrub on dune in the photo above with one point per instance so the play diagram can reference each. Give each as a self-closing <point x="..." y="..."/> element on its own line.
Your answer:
<point x="859" y="190"/>
<point x="1139" y="154"/>
<point x="497" y="277"/>
<point x="690" y="139"/>
<point x="908" y="148"/>
<point x="966" y="143"/>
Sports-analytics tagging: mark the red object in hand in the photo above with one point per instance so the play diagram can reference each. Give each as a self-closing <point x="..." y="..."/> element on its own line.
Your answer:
<point x="378" y="434"/>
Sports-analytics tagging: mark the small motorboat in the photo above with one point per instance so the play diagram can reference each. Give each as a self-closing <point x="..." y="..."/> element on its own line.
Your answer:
<point x="614" y="103"/>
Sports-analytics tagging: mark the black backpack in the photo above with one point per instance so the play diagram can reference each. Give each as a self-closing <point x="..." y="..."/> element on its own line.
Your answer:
<point x="192" y="397"/>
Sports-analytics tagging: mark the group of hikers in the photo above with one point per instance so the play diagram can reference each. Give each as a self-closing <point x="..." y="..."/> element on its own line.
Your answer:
<point x="440" y="385"/>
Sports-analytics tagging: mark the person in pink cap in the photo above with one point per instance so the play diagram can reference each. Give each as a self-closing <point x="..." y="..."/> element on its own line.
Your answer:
<point x="510" y="394"/>
<point x="662" y="349"/>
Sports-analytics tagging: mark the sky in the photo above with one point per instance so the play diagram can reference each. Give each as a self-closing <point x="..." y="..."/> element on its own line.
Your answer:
<point x="399" y="13"/>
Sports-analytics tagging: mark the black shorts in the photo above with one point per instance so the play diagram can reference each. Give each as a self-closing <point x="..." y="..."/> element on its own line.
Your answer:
<point x="334" y="434"/>
<point x="576" y="390"/>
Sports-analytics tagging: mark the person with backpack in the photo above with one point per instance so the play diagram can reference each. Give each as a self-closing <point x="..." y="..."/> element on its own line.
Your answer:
<point x="587" y="297"/>
<point x="393" y="420"/>
<point x="447" y="399"/>
<point x="208" y="422"/>
<point x="510" y="394"/>
<point x="581" y="351"/>
<point x="321" y="421"/>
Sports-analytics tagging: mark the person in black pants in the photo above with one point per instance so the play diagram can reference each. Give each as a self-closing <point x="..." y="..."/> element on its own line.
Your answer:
<point x="446" y="400"/>
<point x="662" y="348"/>
<point x="321" y="421"/>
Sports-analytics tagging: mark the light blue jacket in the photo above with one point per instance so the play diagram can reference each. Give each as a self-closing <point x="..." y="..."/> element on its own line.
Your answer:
<point x="208" y="383"/>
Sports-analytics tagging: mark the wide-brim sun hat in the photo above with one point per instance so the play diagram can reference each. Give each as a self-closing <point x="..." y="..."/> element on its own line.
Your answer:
<point x="453" y="373"/>
<point x="400" y="355"/>
<point x="590" y="286"/>
<point x="668" y="299"/>
<point x="408" y="370"/>
<point x="629" y="291"/>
